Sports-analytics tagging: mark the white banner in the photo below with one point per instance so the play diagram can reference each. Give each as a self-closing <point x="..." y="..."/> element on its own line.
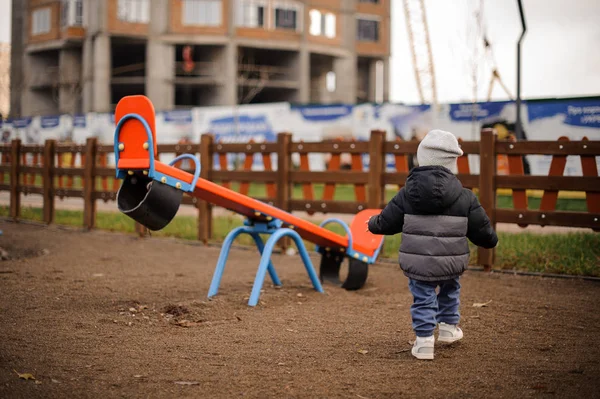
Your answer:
<point x="542" y="120"/>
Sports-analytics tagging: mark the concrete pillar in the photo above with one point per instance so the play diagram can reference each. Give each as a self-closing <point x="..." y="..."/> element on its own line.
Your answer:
<point x="379" y="76"/>
<point x="345" y="76"/>
<point x="303" y="76"/>
<point x="160" y="59"/>
<point x="160" y="74"/>
<point x="159" y="17"/>
<point x="386" y="79"/>
<point x="230" y="66"/>
<point x="345" y="68"/>
<point x="372" y="80"/>
<point x="87" y="75"/>
<point x="102" y="73"/>
<point x="229" y="90"/>
<point x="95" y="17"/>
<point x="18" y="33"/>
<point x="70" y="89"/>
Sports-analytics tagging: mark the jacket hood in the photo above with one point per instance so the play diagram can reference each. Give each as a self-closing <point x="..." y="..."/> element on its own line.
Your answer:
<point x="432" y="189"/>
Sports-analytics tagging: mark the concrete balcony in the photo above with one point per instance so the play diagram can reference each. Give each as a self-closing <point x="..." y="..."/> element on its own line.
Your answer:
<point x="50" y="78"/>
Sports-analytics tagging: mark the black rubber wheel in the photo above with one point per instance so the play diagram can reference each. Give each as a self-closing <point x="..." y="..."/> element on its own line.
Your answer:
<point x="329" y="271"/>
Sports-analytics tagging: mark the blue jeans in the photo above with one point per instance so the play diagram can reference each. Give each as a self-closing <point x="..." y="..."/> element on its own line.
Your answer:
<point x="430" y="308"/>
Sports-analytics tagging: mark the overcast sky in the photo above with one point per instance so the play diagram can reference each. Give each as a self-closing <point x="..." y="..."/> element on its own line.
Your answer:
<point x="560" y="50"/>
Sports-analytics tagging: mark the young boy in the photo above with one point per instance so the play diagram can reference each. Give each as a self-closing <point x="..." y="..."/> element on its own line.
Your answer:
<point x="436" y="216"/>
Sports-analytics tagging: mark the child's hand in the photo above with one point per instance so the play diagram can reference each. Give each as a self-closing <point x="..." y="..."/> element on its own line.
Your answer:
<point x="367" y="223"/>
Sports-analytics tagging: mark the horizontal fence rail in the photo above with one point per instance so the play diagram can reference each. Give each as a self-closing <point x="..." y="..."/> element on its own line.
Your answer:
<point x="83" y="171"/>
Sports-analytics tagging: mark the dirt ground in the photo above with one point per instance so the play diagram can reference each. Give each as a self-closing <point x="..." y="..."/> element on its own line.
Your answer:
<point x="108" y="315"/>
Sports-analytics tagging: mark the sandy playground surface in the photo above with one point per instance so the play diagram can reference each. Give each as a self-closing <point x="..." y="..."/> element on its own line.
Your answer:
<point x="108" y="315"/>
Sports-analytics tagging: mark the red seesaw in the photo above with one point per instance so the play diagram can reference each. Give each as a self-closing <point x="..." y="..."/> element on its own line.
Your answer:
<point x="152" y="191"/>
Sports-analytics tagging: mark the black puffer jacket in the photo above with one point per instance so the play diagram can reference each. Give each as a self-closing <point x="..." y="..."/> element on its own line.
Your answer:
<point x="436" y="216"/>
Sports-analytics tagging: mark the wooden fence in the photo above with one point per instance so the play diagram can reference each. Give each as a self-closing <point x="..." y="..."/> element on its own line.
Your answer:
<point x="24" y="164"/>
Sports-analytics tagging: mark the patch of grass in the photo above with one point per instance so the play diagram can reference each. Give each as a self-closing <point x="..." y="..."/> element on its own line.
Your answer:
<point x="571" y="253"/>
<point x="74" y="183"/>
<point x="533" y="203"/>
<point x="574" y="253"/>
<point x="345" y="192"/>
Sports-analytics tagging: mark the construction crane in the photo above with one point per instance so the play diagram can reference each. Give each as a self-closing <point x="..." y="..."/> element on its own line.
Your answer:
<point x="488" y="55"/>
<point x="420" y="46"/>
<point x="495" y="73"/>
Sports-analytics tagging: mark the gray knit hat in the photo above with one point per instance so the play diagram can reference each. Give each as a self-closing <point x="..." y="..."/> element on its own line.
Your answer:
<point x="439" y="148"/>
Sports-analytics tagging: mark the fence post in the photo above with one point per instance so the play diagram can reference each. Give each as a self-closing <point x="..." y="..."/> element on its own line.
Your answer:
<point x="89" y="180"/>
<point x="15" y="195"/>
<point x="284" y="188"/>
<point x="48" y="180"/>
<point x="376" y="169"/>
<point x="283" y="171"/>
<point x="204" y="207"/>
<point x="487" y="189"/>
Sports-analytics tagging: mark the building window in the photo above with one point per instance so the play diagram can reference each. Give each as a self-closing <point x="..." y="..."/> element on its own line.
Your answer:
<point x="330" y="25"/>
<point x="285" y="14"/>
<point x="369" y="1"/>
<point x="368" y="29"/>
<point x="251" y="13"/>
<point x="202" y="12"/>
<point x="330" y="81"/>
<point x="134" y="11"/>
<point x="71" y="13"/>
<point x="288" y="15"/>
<point x="322" y="24"/>
<point x="40" y="21"/>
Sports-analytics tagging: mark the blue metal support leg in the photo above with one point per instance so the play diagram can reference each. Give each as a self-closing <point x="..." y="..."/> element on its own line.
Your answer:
<point x="271" y="269"/>
<point x="254" y="229"/>
<point x="266" y="258"/>
<point x="233" y="234"/>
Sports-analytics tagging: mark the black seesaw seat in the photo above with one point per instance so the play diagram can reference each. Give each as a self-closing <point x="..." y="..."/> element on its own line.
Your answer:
<point x="148" y="202"/>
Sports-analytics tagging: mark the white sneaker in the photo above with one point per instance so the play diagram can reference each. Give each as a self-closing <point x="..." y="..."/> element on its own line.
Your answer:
<point x="423" y="348"/>
<point x="449" y="333"/>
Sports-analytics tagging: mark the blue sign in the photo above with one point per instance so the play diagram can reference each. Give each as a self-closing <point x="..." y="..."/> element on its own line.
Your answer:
<point x="584" y="113"/>
<point x="478" y="111"/>
<point x="421" y="108"/>
<point x="320" y="113"/>
<point x="79" y="121"/>
<point x="182" y="117"/>
<point x="48" y="122"/>
<point x="242" y="129"/>
<point x="20" y="123"/>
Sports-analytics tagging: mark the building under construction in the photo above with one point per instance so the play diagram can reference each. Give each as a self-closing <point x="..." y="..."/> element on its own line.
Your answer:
<point x="75" y="56"/>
